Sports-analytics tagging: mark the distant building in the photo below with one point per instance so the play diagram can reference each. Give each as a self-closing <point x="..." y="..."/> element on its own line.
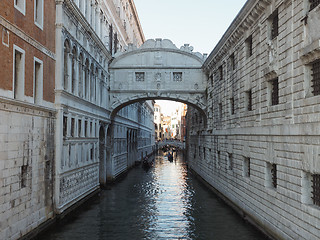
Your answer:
<point x="158" y="122"/>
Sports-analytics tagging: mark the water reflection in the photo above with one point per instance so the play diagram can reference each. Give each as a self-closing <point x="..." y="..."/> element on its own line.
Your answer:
<point x="165" y="202"/>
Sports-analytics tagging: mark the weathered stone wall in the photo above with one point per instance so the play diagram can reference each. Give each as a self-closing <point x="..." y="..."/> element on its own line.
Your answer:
<point x="26" y="163"/>
<point x="258" y="153"/>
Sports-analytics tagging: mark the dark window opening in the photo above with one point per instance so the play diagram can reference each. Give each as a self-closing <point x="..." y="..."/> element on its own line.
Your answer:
<point x="314" y="4"/>
<point x="72" y="127"/>
<point x="65" y="126"/>
<point x="79" y="127"/>
<point x="232" y="105"/>
<point x="249" y="100"/>
<point x="247" y="167"/>
<point x="274" y="91"/>
<point x="274" y="25"/>
<point x="24" y="175"/>
<point x="316" y="189"/>
<point x="274" y="175"/>
<point x="230" y="161"/>
<point x="316" y="77"/>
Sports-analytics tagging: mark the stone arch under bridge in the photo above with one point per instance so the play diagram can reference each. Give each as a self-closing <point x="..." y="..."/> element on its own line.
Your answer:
<point x="157" y="70"/>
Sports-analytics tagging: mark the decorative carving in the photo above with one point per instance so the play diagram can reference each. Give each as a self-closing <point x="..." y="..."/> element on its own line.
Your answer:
<point x="157" y="76"/>
<point x="77" y="183"/>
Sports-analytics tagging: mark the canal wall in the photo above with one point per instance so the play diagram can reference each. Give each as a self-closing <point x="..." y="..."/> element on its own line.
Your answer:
<point x="26" y="163"/>
<point x="260" y="146"/>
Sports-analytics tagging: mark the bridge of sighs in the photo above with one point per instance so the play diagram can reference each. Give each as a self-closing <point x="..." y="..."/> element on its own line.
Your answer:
<point x="157" y="70"/>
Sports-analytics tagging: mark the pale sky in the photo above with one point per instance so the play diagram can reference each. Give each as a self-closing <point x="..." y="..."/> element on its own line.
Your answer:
<point x="200" y="23"/>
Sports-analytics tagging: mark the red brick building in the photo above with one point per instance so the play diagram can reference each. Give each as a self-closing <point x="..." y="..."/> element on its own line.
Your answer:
<point x="27" y="48"/>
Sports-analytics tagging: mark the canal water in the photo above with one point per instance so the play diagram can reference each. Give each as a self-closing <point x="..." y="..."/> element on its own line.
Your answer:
<point x="163" y="202"/>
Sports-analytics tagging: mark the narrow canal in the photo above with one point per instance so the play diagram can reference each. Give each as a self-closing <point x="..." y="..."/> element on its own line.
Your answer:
<point x="165" y="202"/>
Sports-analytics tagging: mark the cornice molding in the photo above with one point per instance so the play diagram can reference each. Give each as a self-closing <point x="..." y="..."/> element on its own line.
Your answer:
<point x="91" y="34"/>
<point x="243" y="22"/>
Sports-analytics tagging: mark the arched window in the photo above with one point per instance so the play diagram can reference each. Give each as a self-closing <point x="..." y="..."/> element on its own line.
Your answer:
<point x="92" y="82"/>
<point x="73" y="70"/>
<point x="66" y="64"/>
<point x="86" y="79"/>
<point x="80" y="69"/>
<point x="101" y="88"/>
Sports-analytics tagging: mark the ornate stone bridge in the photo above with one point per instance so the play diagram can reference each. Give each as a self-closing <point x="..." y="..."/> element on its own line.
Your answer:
<point x="174" y="143"/>
<point x="157" y="70"/>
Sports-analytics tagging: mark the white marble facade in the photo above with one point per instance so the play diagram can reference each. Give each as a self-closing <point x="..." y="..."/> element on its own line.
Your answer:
<point x="260" y="148"/>
<point x="92" y="145"/>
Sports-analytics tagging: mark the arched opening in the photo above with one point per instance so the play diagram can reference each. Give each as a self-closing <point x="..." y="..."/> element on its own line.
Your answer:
<point x="66" y="64"/>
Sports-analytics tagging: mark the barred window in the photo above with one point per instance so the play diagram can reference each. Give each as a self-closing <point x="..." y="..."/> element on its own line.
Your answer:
<point x="274" y="91"/>
<point x="232" y="105"/>
<point x="177" y="76"/>
<point x="316" y="189"/>
<point x="315" y="77"/>
<point x="274" y="24"/>
<point x="274" y="175"/>
<point x="139" y="76"/>
<point x="230" y="163"/>
<point x="65" y="126"/>
<point x="72" y="127"/>
<point x="246" y="167"/>
<point x="314" y="4"/>
<point x="249" y="100"/>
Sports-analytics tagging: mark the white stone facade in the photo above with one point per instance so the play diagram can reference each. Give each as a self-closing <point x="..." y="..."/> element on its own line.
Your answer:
<point x="260" y="146"/>
<point x="92" y="145"/>
<point x="26" y="163"/>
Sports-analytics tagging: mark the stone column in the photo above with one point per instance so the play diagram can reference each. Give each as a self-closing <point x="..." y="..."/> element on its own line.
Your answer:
<point x="93" y="16"/>
<point x="76" y="76"/>
<point x="97" y="20"/>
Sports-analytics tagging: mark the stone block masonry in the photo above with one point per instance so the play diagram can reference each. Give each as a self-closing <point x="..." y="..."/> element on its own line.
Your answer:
<point x="260" y="148"/>
<point x="27" y="154"/>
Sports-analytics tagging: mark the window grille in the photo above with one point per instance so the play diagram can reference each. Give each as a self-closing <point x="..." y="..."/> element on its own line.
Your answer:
<point x="79" y="127"/>
<point x="72" y="127"/>
<point x="316" y="189"/>
<point x="314" y="4"/>
<point x="275" y="92"/>
<point x="232" y="105"/>
<point x="24" y="175"/>
<point x="246" y="167"/>
<point x="249" y="96"/>
<point x="230" y="167"/>
<point x="139" y="76"/>
<point x="274" y="175"/>
<point x="177" y="76"/>
<point x="274" y="25"/>
<point x="65" y="126"/>
<point x="316" y="77"/>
